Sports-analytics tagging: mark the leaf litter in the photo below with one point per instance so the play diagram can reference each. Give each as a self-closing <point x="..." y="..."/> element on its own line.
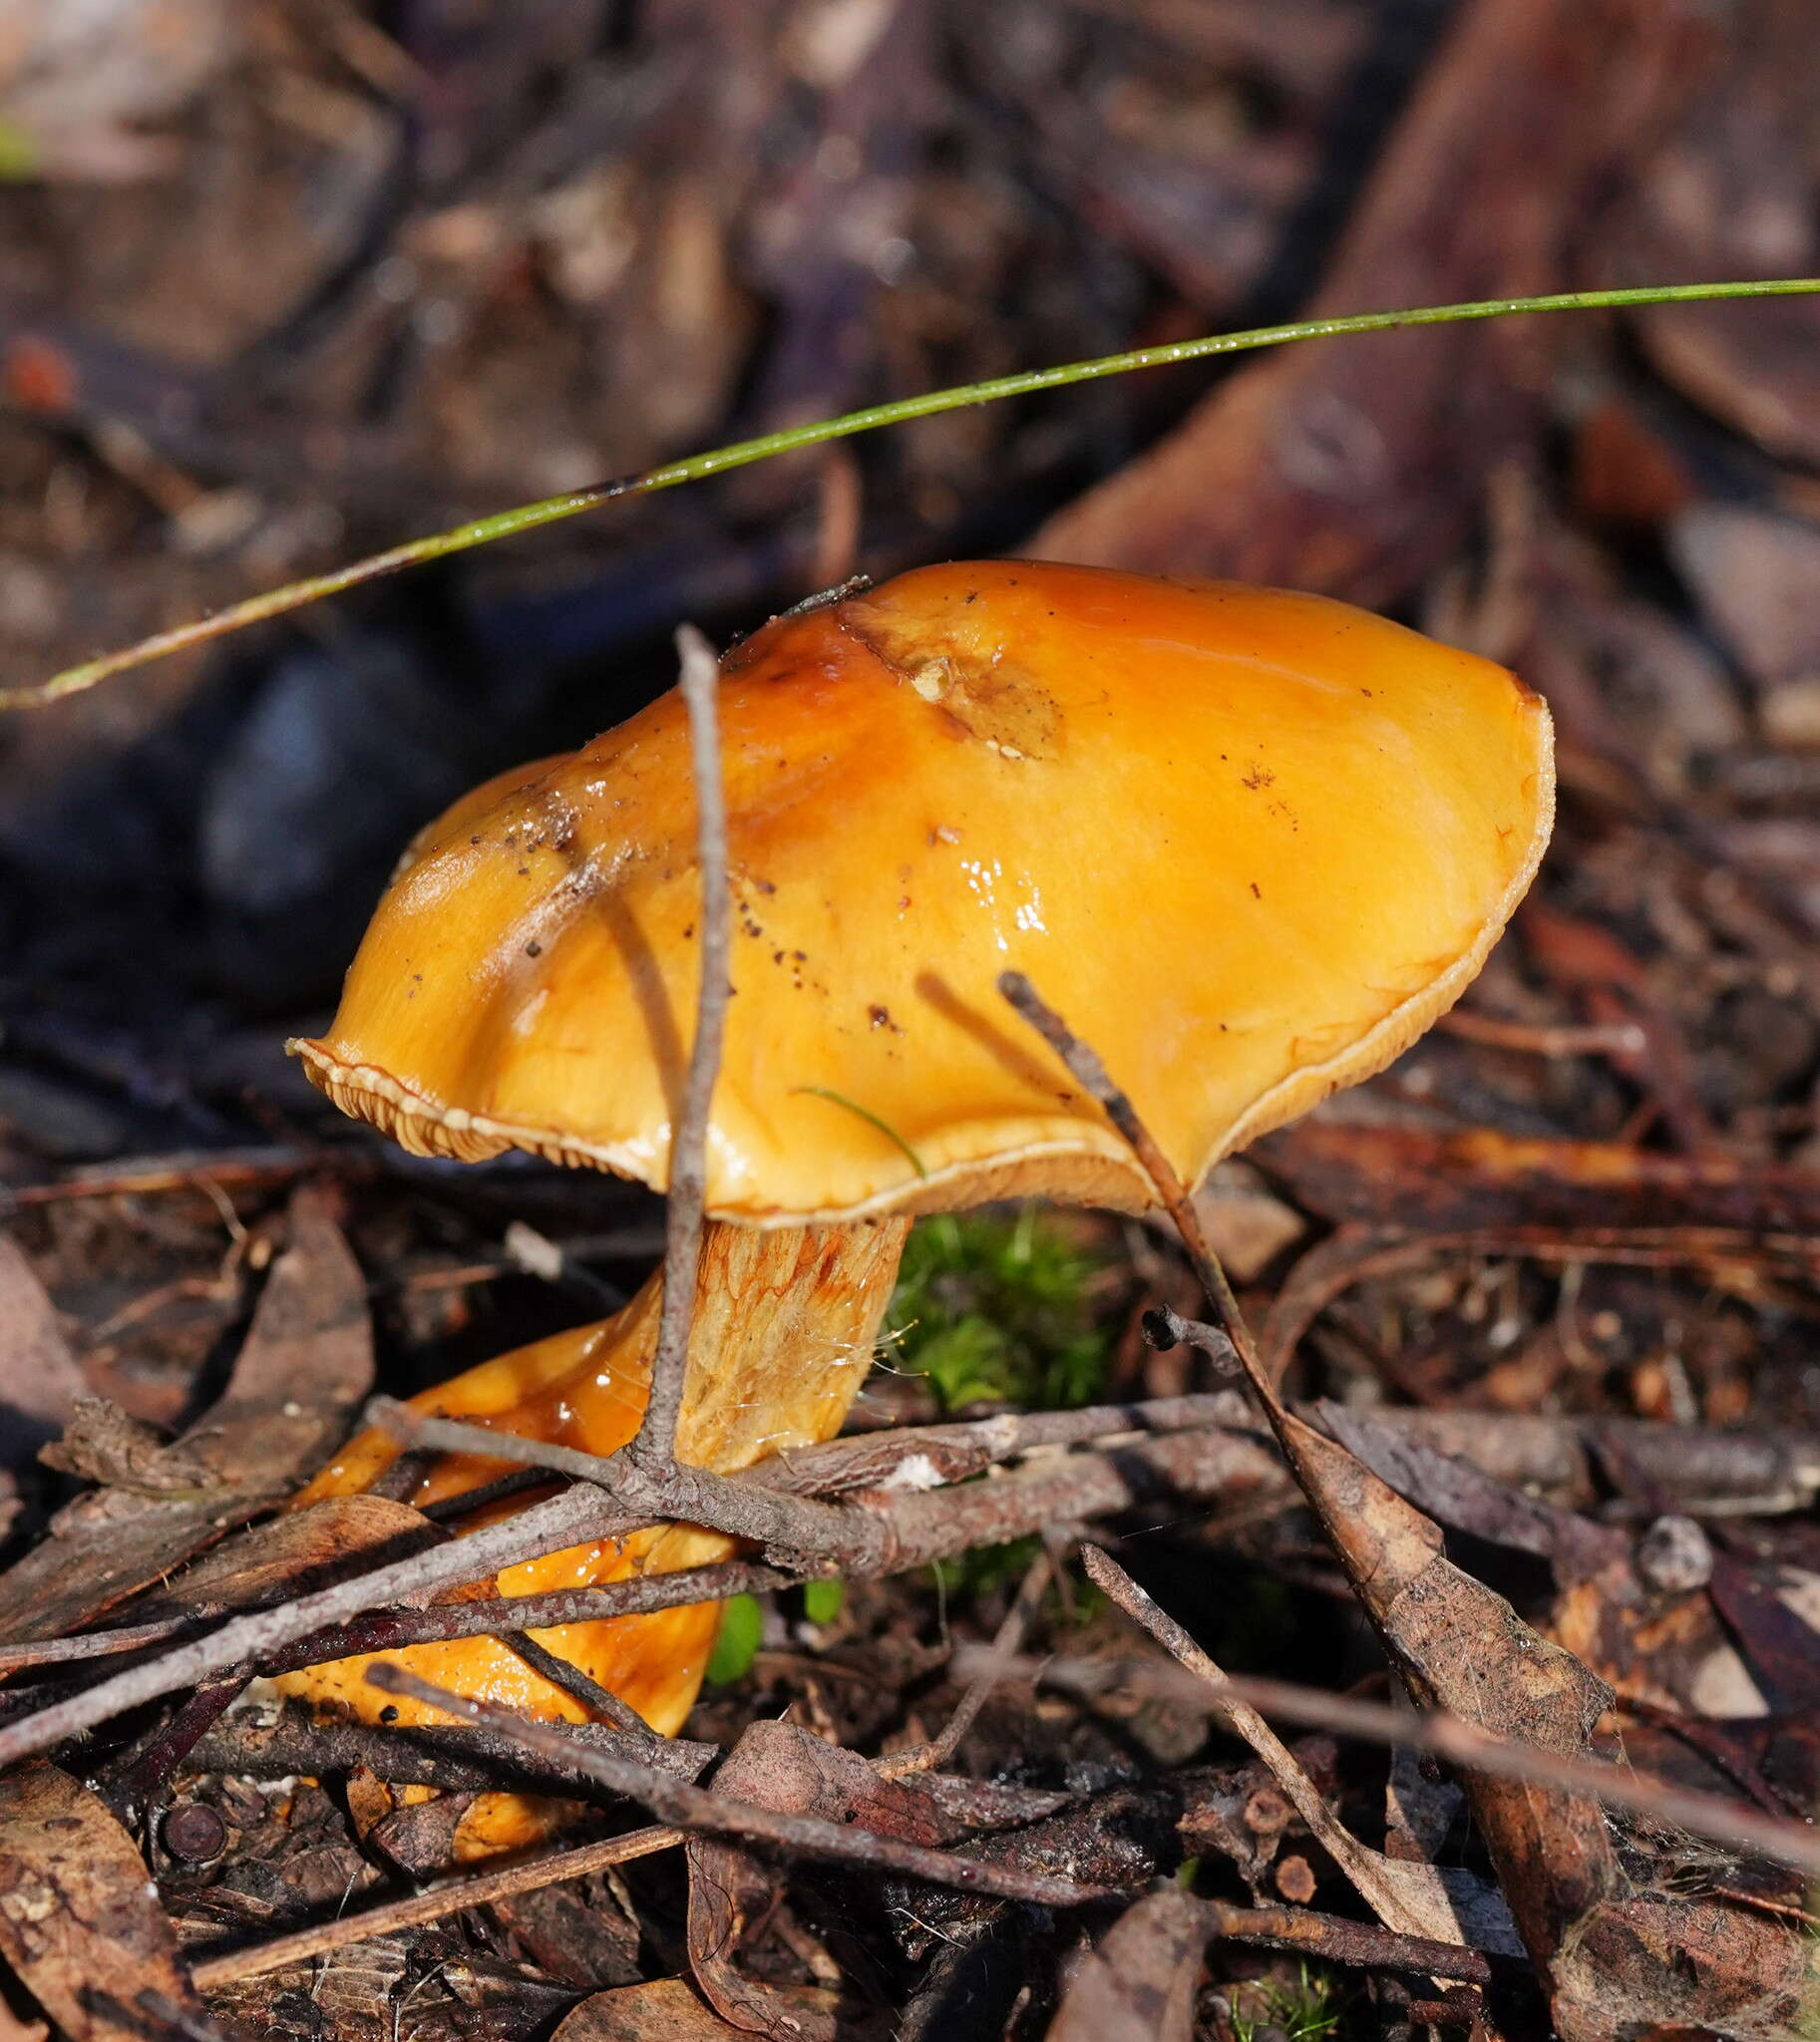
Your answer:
<point x="1544" y="1293"/>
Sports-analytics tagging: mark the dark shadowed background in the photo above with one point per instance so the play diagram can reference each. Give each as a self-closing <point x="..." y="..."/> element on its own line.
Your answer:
<point x="285" y="280"/>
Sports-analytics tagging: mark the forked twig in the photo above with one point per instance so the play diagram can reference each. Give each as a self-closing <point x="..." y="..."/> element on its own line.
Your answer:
<point x="582" y="1513"/>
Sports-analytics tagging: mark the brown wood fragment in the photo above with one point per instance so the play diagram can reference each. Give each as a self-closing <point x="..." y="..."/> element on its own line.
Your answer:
<point x="1352" y="470"/>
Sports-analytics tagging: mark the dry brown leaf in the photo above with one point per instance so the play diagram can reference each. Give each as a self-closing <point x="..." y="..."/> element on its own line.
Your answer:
<point x="302" y="1374"/>
<point x="39" y="1379"/>
<point x="1139" y="1985"/>
<point x="294" y="1555"/>
<point x="80" y="1918"/>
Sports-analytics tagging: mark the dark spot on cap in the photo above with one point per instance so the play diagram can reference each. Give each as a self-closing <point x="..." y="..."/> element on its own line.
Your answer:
<point x="533" y="948"/>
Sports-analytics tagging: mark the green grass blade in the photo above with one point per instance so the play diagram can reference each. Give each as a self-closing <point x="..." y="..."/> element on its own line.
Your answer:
<point x="872" y="1120"/>
<point x="481" y="531"/>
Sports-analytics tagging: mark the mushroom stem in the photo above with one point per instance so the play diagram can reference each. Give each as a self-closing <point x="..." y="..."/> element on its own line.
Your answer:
<point x="781" y="1338"/>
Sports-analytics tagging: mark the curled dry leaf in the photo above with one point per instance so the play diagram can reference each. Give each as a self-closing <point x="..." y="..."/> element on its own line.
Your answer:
<point x="1608" y="1950"/>
<point x="108" y="1445"/>
<point x="1139" y="1985"/>
<point x="306" y="1365"/>
<point x="80" y="1919"/>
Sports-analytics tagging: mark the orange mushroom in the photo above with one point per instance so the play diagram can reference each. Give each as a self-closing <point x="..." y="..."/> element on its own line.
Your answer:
<point x="1250" y="842"/>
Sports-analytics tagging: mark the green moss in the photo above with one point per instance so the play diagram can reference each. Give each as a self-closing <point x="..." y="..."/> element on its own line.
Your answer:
<point x="1000" y="1312"/>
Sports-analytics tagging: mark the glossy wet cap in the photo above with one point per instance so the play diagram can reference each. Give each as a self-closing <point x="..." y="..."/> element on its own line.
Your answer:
<point x="1250" y="844"/>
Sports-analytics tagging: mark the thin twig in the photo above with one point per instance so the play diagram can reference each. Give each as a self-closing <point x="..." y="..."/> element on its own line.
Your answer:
<point x="1085" y="1067"/>
<point x="694" y="1808"/>
<point x="580" y="1686"/>
<point x="129" y="1637"/>
<point x="1164" y="1329"/>
<point x="579" y="1514"/>
<point x="1007" y="1640"/>
<point x="941" y="1452"/>
<point x="911" y="1530"/>
<point x="435" y="1903"/>
<point x="1712" y="1816"/>
<point x="1547" y="1039"/>
<point x="699" y="682"/>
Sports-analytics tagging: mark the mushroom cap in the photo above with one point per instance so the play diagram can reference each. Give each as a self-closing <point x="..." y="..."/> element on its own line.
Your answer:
<point x="1250" y="844"/>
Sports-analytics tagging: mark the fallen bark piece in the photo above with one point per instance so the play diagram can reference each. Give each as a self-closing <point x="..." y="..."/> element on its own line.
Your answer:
<point x="1352" y="470"/>
<point x="299" y="1379"/>
<point x="80" y="1919"/>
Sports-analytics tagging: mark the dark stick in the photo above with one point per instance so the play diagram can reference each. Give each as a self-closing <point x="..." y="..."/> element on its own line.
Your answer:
<point x="694" y="1808"/>
<point x="582" y="1687"/>
<point x="1340" y="1941"/>
<point x="134" y="1780"/>
<point x="1740" y="1466"/>
<point x="836" y="1466"/>
<point x="911" y="1530"/>
<point x="907" y="1532"/>
<point x="699" y="681"/>
<point x="460" y="1760"/>
<point x="795" y="1527"/>
<point x="1164" y="1329"/>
